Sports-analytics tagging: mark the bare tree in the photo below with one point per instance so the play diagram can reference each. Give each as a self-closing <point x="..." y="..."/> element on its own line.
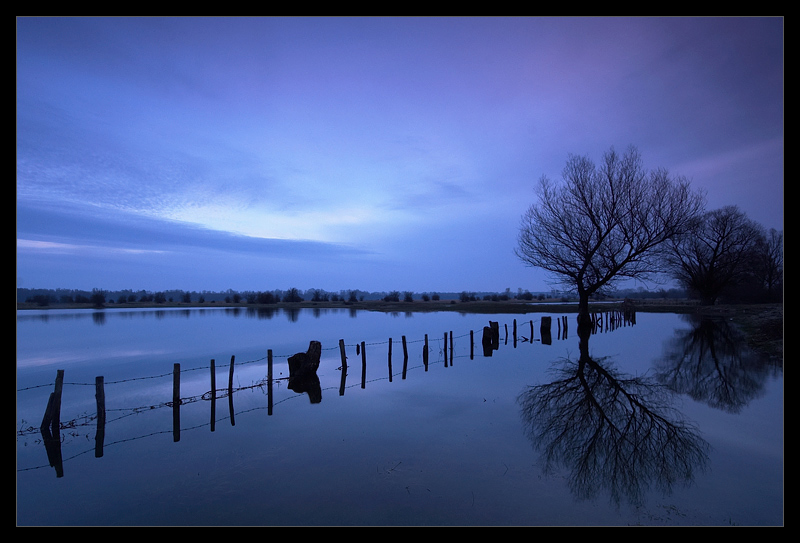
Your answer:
<point x="612" y="432"/>
<point x="769" y="264"/>
<point x="717" y="254"/>
<point x="605" y="223"/>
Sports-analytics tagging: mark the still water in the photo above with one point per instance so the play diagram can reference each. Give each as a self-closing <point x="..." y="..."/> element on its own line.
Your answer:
<point x="667" y="421"/>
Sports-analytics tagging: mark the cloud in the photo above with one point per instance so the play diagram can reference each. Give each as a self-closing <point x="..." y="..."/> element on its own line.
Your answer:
<point x="74" y="227"/>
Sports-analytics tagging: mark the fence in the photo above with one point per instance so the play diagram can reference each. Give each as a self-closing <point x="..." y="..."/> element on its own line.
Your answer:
<point x="302" y="377"/>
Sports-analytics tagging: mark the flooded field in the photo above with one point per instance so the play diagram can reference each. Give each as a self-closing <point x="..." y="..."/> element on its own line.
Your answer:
<point x="665" y="421"/>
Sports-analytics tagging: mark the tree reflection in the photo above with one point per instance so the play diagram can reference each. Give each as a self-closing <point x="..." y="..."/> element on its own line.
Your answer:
<point x="613" y="432"/>
<point x="712" y="364"/>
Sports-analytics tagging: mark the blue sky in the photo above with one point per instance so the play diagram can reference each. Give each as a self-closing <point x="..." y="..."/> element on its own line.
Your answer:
<point x="362" y="153"/>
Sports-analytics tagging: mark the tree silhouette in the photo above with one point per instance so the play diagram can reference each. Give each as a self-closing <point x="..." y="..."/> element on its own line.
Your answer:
<point x="716" y="254"/>
<point x="611" y="432"/>
<point x="711" y="363"/>
<point x="605" y="223"/>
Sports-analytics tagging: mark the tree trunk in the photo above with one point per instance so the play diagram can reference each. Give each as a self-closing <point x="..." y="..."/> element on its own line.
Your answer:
<point x="584" y="317"/>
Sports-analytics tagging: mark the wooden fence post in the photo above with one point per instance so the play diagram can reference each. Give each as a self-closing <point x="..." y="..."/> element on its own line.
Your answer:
<point x="230" y="391"/>
<point x="363" y="365"/>
<point x="100" y="397"/>
<point x="176" y="402"/>
<point x="451" y="347"/>
<point x="544" y="330"/>
<point x="269" y="381"/>
<point x="445" y="349"/>
<point x="230" y="376"/>
<point x="343" y="354"/>
<point x="213" y="395"/>
<point x="425" y="353"/>
<point x="495" y="326"/>
<point x="471" y="345"/>
<point x="405" y="357"/>
<point x="51" y="426"/>
<point x="515" y="333"/>
<point x="390" y="360"/>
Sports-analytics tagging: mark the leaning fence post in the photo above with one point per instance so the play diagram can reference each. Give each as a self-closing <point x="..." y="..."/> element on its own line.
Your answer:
<point x="343" y="354"/>
<point x="52" y="413"/>
<point x="344" y="367"/>
<point x="230" y="376"/>
<point x="51" y="425"/>
<point x="405" y="357"/>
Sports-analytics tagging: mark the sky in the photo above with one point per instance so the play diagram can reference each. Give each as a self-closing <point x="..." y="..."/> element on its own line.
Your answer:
<point x="378" y="154"/>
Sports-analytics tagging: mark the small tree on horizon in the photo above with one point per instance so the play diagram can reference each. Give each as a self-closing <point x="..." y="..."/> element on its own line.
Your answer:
<point x="98" y="298"/>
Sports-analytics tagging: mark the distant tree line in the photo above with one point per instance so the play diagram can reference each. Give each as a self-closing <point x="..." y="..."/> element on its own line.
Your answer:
<point x="99" y="297"/>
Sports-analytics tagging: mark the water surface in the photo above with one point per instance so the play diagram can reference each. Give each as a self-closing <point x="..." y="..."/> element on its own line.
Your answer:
<point x="665" y="422"/>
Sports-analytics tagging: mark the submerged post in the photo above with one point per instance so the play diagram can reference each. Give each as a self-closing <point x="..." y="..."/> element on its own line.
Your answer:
<point x="495" y="326"/>
<point x="363" y="365"/>
<point x="343" y="353"/>
<point x="100" y="397"/>
<point x="425" y="353"/>
<point x="52" y="413"/>
<point x="451" y="347"/>
<point x="230" y="376"/>
<point x="230" y="392"/>
<point x="405" y="357"/>
<point x="176" y="402"/>
<point x="515" y="333"/>
<point x="213" y="395"/>
<point x="390" y="360"/>
<point x="269" y="381"/>
<point x="487" y="340"/>
<point x="51" y="426"/>
<point x="471" y="345"/>
<point x="545" y="330"/>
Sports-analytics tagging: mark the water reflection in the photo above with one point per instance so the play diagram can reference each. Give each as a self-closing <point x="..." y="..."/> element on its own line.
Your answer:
<point x="101" y="316"/>
<point x="711" y="363"/>
<point x="613" y="432"/>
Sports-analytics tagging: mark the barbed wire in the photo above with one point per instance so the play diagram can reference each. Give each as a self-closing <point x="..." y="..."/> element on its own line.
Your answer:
<point x="434" y="339"/>
<point x="225" y="365"/>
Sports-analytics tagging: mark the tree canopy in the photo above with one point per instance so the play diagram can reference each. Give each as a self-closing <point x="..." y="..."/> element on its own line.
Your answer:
<point x="605" y="222"/>
<point x="726" y="250"/>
